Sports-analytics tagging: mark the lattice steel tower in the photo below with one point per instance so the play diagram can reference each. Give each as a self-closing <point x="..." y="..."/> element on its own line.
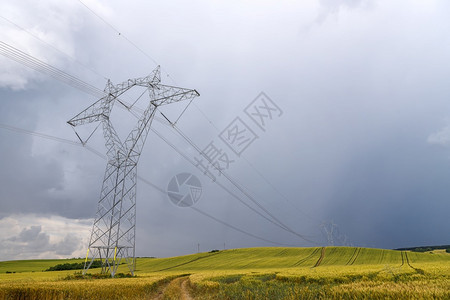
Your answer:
<point x="114" y="229"/>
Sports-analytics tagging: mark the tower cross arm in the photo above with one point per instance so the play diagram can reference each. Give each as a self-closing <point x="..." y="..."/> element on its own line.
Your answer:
<point x="166" y="94"/>
<point x="93" y="113"/>
<point x="159" y="95"/>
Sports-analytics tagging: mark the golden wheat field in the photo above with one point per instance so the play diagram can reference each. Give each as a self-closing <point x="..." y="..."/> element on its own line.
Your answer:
<point x="253" y="273"/>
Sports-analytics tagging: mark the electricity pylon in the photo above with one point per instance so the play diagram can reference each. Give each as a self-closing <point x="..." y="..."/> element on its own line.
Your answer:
<point x="114" y="229"/>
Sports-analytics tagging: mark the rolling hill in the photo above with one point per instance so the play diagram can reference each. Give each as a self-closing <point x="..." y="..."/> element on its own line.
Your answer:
<point x="251" y="273"/>
<point x="256" y="258"/>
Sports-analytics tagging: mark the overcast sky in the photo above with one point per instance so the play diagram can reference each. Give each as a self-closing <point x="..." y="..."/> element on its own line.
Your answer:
<point x="360" y="137"/>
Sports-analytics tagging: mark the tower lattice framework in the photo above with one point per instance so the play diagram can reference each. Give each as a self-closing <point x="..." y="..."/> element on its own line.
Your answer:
<point x="114" y="230"/>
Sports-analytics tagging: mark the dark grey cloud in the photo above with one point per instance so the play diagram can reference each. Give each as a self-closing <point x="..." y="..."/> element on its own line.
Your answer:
<point x="33" y="180"/>
<point x="32" y="234"/>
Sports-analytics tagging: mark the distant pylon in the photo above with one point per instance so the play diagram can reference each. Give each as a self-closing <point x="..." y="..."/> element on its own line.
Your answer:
<point x="114" y="229"/>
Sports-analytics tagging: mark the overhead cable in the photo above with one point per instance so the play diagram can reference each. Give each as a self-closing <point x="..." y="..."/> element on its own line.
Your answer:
<point x="58" y="74"/>
<point x="61" y="140"/>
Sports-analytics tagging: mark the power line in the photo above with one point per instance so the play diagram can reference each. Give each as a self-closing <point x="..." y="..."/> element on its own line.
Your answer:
<point x="237" y="229"/>
<point x="58" y="74"/>
<point x="204" y="115"/>
<point x="41" y="135"/>
<point x="53" y="47"/>
<point x="38" y="65"/>
<point x="216" y="182"/>
<point x="275" y="188"/>
<point x="255" y="169"/>
<point x="118" y="32"/>
<point x="41" y="66"/>
<point x="23" y="58"/>
<point x="154" y="61"/>
<point x="27" y="60"/>
<point x="276" y="221"/>
<point x="74" y="143"/>
<point x="121" y="34"/>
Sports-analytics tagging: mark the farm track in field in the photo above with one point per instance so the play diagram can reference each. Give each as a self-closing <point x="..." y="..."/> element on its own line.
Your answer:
<point x="306" y="258"/>
<point x="175" y="289"/>
<point x="186" y="263"/>
<point x="420" y="271"/>
<point x="184" y="290"/>
<point x="160" y="295"/>
<point x="403" y="259"/>
<point x="322" y="256"/>
<point x="407" y="260"/>
<point x="354" y="256"/>
<point x="383" y="253"/>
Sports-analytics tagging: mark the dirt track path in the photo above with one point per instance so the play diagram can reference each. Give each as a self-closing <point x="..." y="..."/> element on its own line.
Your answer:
<point x="322" y="255"/>
<point x="160" y="295"/>
<point x="176" y="289"/>
<point x="184" y="290"/>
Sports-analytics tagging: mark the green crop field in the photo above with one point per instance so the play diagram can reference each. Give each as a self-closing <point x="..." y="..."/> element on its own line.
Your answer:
<point x="253" y="273"/>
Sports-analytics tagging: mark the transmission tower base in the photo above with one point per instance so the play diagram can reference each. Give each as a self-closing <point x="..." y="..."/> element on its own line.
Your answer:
<point x="110" y="258"/>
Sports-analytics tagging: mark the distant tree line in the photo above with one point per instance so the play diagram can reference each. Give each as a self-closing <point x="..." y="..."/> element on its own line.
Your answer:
<point x="420" y="249"/>
<point x="74" y="266"/>
<point x="426" y="248"/>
